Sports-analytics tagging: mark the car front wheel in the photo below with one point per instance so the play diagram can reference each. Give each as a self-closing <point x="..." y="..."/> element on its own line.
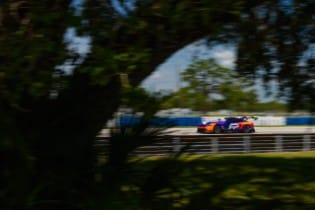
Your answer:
<point x="217" y="129"/>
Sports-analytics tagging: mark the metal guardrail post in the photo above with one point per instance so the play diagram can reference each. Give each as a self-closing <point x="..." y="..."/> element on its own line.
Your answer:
<point x="214" y="145"/>
<point x="279" y="143"/>
<point x="176" y="145"/>
<point x="306" y="142"/>
<point x="246" y="144"/>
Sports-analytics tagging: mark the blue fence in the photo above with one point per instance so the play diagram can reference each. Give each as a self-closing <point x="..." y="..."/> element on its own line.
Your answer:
<point x="161" y="121"/>
<point x="300" y="121"/>
<point x="194" y="121"/>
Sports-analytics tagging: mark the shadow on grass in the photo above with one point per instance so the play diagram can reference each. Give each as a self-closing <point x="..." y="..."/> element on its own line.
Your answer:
<point x="225" y="182"/>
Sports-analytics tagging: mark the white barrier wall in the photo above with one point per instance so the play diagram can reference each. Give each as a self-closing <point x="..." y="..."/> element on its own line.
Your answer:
<point x="261" y="121"/>
<point x="270" y="121"/>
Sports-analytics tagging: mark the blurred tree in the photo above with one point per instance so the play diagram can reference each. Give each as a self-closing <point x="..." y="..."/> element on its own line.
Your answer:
<point x="212" y="87"/>
<point x="185" y="98"/>
<point x="49" y="117"/>
<point x="277" y="43"/>
<point x="275" y="106"/>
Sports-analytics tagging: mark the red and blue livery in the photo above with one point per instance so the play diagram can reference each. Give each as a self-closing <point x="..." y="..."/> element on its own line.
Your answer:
<point x="228" y="125"/>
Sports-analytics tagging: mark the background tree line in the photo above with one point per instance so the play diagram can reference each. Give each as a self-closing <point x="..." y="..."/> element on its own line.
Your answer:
<point x="209" y="87"/>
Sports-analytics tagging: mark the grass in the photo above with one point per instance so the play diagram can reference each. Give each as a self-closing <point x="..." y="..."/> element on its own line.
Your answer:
<point x="256" y="181"/>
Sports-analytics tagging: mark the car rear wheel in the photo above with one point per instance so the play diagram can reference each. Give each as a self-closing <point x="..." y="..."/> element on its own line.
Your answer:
<point x="247" y="129"/>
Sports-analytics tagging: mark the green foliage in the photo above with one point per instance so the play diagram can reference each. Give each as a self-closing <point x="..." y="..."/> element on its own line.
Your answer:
<point x="256" y="181"/>
<point x="275" y="43"/>
<point x="31" y="43"/>
<point x="236" y="182"/>
<point x="184" y="98"/>
<point x="211" y="87"/>
<point x="271" y="106"/>
<point x="140" y="100"/>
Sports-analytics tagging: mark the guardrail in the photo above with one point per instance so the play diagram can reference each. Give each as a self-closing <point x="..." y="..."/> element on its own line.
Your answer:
<point x="223" y="143"/>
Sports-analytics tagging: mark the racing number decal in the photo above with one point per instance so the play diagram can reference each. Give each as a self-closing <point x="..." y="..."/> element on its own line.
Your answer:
<point x="233" y="126"/>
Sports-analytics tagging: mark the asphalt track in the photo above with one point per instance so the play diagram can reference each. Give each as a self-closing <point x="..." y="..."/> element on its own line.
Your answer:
<point x="259" y="130"/>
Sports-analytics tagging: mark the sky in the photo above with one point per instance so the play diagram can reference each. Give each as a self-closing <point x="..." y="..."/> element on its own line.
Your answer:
<point x="167" y="76"/>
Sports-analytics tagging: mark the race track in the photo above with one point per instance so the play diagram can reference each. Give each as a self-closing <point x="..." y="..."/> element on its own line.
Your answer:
<point x="266" y="139"/>
<point x="259" y="130"/>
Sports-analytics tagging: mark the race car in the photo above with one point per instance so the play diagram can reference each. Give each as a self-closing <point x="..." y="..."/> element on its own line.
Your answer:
<point x="228" y="125"/>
